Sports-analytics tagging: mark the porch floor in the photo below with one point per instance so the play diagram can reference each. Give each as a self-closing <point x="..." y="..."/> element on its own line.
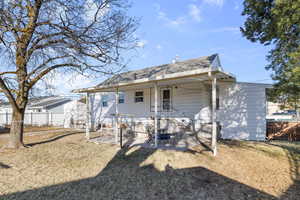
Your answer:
<point x="178" y="141"/>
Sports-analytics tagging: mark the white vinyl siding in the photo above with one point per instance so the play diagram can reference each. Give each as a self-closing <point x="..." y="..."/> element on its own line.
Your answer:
<point x="190" y="101"/>
<point x="242" y="111"/>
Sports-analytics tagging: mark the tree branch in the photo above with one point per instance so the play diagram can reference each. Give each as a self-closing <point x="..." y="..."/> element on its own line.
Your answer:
<point x="8" y="94"/>
<point x="49" y="69"/>
<point x="9" y="72"/>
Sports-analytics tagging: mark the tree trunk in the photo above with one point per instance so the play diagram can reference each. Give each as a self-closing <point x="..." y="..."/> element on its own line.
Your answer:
<point x="16" y="130"/>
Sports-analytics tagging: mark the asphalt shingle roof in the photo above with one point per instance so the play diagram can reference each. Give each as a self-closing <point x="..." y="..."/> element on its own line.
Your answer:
<point x="48" y="102"/>
<point x="42" y="101"/>
<point x="151" y="72"/>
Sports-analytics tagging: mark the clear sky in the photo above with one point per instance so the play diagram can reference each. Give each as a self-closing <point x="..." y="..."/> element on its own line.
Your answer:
<point x="194" y="28"/>
<point x="190" y="29"/>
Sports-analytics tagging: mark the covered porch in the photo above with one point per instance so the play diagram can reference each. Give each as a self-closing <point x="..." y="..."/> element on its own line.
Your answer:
<point x="165" y="123"/>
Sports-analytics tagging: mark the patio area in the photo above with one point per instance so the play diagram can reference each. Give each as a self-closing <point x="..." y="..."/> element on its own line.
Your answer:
<point x="181" y="140"/>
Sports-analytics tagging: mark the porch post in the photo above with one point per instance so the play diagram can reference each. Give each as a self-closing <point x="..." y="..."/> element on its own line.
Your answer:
<point x="214" y="115"/>
<point x="117" y="115"/>
<point x="155" y="113"/>
<point x="87" y="119"/>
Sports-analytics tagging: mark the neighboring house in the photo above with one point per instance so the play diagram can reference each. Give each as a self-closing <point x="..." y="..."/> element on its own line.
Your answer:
<point x="273" y="108"/>
<point x="275" y="112"/>
<point x="195" y="92"/>
<point x="54" y="104"/>
<point x="39" y="111"/>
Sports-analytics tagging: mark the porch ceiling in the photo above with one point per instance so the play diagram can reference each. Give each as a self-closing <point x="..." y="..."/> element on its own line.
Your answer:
<point x="161" y="82"/>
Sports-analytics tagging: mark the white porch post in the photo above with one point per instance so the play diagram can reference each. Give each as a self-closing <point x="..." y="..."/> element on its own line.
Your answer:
<point x="87" y="119"/>
<point x="117" y="115"/>
<point x="155" y="113"/>
<point x="214" y="115"/>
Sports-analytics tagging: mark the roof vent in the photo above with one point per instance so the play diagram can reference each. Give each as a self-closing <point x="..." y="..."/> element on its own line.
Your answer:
<point x="176" y="59"/>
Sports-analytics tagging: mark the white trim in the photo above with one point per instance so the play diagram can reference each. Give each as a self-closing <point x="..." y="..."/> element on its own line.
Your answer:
<point x="87" y="120"/>
<point x="267" y="85"/>
<point x="216" y="64"/>
<point x="156" y="113"/>
<point x="214" y="115"/>
<point x="117" y="116"/>
<point x="157" y="78"/>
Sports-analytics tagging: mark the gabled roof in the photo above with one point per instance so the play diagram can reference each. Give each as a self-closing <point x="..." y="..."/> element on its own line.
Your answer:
<point x="189" y="68"/>
<point x="152" y="72"/>
<point x="51" y="101"/>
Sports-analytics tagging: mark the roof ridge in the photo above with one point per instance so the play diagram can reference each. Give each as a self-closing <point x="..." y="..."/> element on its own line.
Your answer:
<point x="182" y="61"/>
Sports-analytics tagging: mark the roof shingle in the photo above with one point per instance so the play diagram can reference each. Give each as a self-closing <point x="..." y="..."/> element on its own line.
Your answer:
<point x="151" y="72"/>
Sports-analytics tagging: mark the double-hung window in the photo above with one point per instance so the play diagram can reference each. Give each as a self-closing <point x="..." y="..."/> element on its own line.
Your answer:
<point x="104" y="100"/>
<point x="139" y="97"/>
<point x="121" y="97"/>
<point x="166" y="100"/>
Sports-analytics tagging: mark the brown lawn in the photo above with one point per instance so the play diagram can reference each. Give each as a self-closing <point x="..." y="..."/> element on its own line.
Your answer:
<point x="65" y="166"/>
<point x="29" y="129"/>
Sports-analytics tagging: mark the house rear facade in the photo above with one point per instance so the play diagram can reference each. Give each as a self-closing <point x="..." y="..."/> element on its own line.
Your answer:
<point x="181" y="95"/>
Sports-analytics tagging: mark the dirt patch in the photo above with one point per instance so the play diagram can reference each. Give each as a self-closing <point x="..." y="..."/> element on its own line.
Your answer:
<point x="71" y="168"/>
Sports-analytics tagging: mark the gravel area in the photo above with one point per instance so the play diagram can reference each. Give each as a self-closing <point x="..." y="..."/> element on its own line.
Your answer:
<point x="71" y="168"/>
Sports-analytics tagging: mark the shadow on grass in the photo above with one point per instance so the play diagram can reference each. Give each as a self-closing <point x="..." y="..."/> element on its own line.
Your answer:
<point x="53" y="139"/>
<point x="4" y="166"/>
<point x="127" y="177"/>
<point x="4" y="130"/>
<point x="291" y="151"/>
<point x="203" y="144"/>
<point x="293" y="155"/>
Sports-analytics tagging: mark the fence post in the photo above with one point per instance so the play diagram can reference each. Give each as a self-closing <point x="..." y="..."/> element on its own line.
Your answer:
<point x="47" y="117"/>
<point x="50" y="118"/>
<point x="31" y="119"/>
<point x="6" y="117"/>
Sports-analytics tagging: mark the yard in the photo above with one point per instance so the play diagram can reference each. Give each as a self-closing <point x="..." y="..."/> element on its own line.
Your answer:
<point x="62" y="165"/>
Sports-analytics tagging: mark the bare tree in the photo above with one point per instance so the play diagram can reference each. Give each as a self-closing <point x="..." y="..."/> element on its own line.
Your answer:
<point x="38" y="37"/>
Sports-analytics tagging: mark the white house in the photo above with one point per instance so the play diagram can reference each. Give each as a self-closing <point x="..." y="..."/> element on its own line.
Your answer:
<point x="47" y="110"/>
<point x="195" y="92"/>
<point x="54" y="104"/>
<point x="74" y="114"/>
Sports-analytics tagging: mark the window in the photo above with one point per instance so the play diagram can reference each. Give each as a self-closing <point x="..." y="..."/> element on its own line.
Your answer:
<point x="104" y="100"/>
<point x="139" y="97"/>
<point x="166" y="99"/>
<point x="121" y="97"/>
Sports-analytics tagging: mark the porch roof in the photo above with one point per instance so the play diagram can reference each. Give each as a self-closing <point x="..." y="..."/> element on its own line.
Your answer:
<point x="199" y="67"/>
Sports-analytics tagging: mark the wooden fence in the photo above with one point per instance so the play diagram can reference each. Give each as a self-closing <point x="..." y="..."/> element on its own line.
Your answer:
<point x="283" y="131"/>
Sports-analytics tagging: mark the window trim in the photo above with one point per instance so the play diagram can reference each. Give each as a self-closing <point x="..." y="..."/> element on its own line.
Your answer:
<point x="218" y="99"/>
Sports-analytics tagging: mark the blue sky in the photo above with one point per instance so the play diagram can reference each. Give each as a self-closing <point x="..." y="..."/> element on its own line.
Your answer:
<point x="190" y="29"/>
<point x="194" y="28"/>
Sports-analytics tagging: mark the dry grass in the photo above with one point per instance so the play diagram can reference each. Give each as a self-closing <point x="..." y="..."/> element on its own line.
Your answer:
<point x="71" y="168"/>
<point x="28" y="129"/>
<point x="33" y="134"/>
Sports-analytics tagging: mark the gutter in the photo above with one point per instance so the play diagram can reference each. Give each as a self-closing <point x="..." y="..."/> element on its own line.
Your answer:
<point x="155" y="79"/>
